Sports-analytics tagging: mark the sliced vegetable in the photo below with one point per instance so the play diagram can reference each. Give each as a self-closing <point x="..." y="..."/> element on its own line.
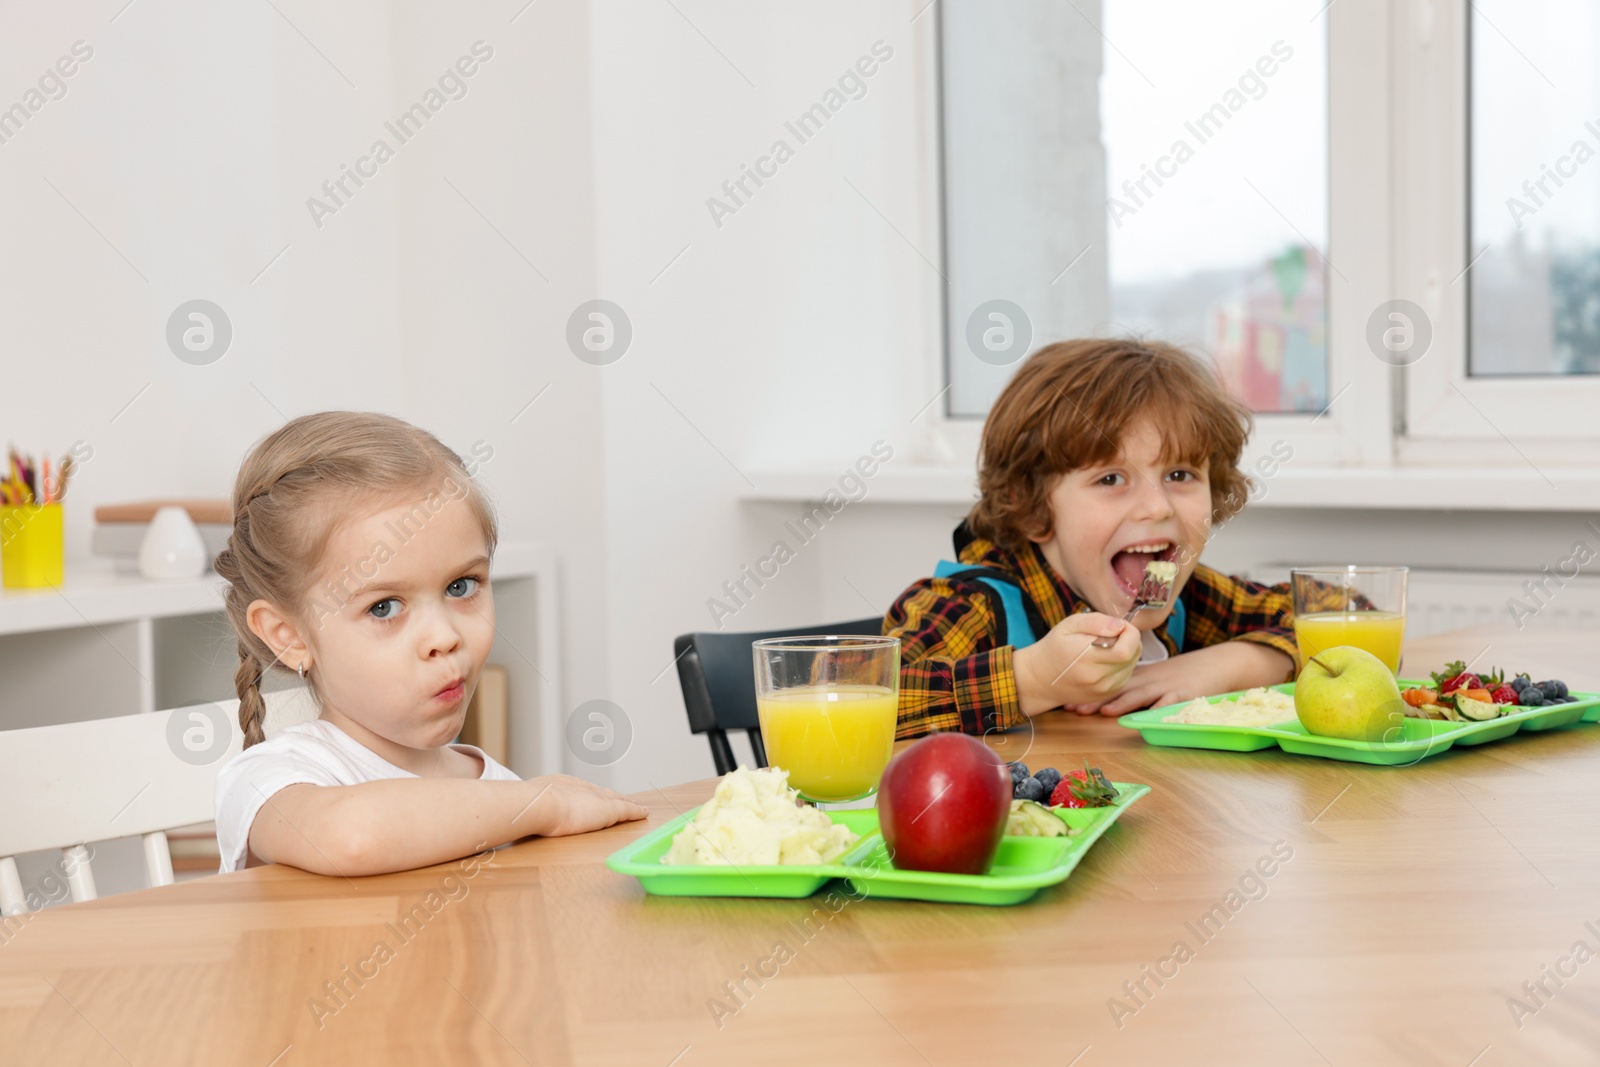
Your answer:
<point x="1476" y="710"/>
<point x="1029" y="818"/>
<point x="1418" y="697"/>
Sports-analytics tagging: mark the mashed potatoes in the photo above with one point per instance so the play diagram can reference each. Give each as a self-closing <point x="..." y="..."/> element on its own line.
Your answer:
<point x="1254" y="707"/>
<point x="753" y="820"/>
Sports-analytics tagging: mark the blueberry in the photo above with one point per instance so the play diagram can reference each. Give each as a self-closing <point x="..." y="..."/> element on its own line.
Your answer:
<point x="1049" y="778"/>
<point x="1519" y="683"/>
<point x="1555" y="687"/>
<point x="1019" y="771"/>
<point x="1030" y="789"/>
<point x="1532" y="696"/>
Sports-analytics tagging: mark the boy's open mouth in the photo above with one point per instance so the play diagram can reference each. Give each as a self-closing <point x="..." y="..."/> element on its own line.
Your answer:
<point x="1127" y="565"/>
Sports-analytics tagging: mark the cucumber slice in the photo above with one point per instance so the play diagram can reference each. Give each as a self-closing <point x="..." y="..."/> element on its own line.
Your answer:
<point x="1476" y="710"/>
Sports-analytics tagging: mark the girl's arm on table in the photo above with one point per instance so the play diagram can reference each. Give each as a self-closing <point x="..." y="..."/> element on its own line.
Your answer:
<point x="399" y="824"/>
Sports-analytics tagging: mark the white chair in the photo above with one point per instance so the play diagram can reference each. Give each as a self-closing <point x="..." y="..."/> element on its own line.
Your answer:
<point x="79" y="783"/>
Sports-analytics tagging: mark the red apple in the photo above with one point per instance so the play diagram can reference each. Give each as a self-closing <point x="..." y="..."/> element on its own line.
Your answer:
<point x="943" y="803"/>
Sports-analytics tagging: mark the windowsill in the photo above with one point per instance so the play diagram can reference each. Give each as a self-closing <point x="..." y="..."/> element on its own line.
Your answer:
<point x="1451" y="488"/>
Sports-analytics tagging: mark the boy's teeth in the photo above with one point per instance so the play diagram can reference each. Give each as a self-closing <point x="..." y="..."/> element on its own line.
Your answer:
<point x="1150" y="548"/>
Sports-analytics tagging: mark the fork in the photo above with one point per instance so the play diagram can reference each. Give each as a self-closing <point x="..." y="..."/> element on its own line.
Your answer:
<point x="1153" y="593"/>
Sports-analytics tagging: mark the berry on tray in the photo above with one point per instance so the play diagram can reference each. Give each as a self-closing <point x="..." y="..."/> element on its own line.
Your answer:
<point x="1088" y="788"/>
<point x="1030" y="789"/>
<point x="1456" y="676"/>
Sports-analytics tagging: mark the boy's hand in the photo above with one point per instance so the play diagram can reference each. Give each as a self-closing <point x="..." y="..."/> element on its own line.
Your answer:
<point x="1064" y="667"/>
<point x="1203" y="672"/>
<point x="559" y="804"/>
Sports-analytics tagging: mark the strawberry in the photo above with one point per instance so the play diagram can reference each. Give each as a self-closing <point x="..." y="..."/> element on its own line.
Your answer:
<point x="1088" y="788"/>
<point x="1456" y="676"/>
<point x="1504" y="694"/>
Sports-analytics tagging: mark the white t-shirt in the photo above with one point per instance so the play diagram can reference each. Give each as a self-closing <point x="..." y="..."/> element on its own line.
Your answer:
<point x="317" y="752"/>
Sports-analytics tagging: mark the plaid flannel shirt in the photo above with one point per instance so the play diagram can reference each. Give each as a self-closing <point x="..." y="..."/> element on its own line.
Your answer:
<point x="956" y="675"/>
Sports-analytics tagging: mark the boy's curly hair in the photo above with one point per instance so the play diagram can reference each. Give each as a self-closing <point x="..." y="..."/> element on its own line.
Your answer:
<point x="1070" y="405"/>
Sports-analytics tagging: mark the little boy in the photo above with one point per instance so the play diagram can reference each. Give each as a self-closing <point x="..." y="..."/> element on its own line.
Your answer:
<point x="1098" y="457"/>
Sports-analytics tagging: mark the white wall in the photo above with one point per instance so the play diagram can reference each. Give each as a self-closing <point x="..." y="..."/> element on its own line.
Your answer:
<point x="783" y="334"/>
<point x="191" y="141"/>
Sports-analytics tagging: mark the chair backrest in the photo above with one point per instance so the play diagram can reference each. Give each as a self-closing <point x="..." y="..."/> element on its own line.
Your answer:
<point x="79" y="783"/>
<point x="717" y="674"/>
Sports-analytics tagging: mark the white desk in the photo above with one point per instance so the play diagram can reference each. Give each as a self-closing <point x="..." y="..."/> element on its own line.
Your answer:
<point x="106" y="643"/>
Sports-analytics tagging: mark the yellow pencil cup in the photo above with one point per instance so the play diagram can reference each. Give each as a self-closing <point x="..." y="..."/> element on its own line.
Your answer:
<point x="32" y="546"/>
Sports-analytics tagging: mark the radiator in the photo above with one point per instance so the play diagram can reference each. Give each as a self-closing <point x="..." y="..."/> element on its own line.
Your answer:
<point x="1440" y="600"/>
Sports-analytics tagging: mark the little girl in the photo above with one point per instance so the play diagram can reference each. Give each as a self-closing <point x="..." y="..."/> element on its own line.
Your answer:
<point x="359" y="560"/>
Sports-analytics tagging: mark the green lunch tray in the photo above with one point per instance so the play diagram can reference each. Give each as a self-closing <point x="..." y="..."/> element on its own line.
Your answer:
<point x="1419" y="738"/>
<point x="1023" y="866"/>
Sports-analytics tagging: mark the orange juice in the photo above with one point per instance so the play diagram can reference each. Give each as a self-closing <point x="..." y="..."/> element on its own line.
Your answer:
<point x="1378" y="632"/>
<point x="834" y="740"/>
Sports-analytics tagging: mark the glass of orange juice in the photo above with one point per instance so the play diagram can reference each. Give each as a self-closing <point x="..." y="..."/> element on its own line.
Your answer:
<point x="1352" y="605"/>
<point x="828" y="707"/>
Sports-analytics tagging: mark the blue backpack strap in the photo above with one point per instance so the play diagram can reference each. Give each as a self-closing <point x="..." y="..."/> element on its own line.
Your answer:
<point x="1177" y="623"/>
<point x="1019" y="631"/>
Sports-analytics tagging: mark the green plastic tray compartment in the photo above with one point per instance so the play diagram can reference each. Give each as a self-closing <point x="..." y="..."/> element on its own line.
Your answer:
<point x="1205" y="735"/>
<point x="1420" y="738"/>
<point x="642" y="859"/>
<point x="1534" y="720"/>
<point x="1022" y="867"/>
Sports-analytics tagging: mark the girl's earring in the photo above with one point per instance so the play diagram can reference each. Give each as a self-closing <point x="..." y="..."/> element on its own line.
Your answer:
<point x="302" y="670"/>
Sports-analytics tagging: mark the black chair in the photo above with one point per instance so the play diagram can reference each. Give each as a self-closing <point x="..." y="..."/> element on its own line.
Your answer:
<point x="717" y="674"/>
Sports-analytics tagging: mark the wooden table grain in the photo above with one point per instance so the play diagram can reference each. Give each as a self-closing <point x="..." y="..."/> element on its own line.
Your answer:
<point x="1255" y="908"/>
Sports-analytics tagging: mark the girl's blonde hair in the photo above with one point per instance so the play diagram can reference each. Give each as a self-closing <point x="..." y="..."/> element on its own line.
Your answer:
<point x="294" y="489"/>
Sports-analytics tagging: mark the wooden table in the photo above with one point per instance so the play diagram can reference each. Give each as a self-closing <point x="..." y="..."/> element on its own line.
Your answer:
<point x="1411" y="905"/>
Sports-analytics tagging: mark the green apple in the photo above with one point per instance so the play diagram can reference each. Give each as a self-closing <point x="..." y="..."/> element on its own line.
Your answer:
<point x="1348" y="692"/>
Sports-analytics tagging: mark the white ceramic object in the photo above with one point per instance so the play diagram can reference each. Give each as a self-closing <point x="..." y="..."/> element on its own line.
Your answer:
<point x="172" y="546"/>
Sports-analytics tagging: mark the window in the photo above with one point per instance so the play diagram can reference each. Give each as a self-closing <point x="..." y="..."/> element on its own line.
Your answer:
<point x="1492" y="95"/>
<point x="1162" y="173"/>
<point x="1389" y="247"/>
<point x="1534" y="102"/>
